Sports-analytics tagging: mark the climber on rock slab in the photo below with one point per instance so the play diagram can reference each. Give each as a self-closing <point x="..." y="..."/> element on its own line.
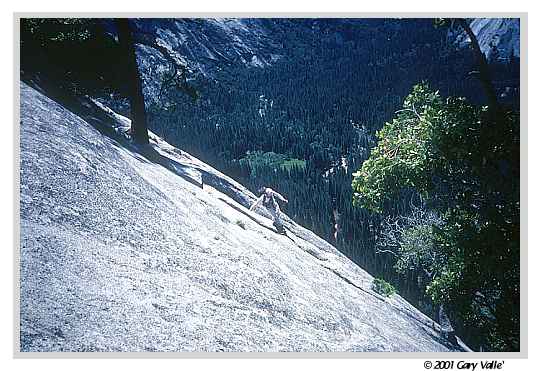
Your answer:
<point x="268" y="199"/>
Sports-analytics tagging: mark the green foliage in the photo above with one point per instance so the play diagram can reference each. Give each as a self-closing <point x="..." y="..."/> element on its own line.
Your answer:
<point x="74" y="53"/>
<point x="442" y="22"/>
<point x="447" y="281"/>
<point x="57" y="30"/>
<point x="383" y="287"/>
<point x="293" y="164"/>
<point x="240" y="223"/>
<point x="466" y="166"/>
<point x="259" y="159"/>
<point x="411" y="147"/>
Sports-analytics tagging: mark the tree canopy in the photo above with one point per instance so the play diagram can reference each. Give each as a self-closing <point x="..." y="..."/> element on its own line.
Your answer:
<point x="467" y="170"/>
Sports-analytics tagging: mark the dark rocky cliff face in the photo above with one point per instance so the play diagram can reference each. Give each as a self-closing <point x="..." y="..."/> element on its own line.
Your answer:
<point x="128" y="248"/>
<point x="217" y="49"/>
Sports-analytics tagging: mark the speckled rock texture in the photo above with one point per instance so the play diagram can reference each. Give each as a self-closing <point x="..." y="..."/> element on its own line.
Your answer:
<point x="127" y="248"/>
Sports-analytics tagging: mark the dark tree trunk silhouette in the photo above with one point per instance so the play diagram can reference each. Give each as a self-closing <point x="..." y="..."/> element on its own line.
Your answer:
<point x="484" y="72"/>
<point x="139" y="129"/>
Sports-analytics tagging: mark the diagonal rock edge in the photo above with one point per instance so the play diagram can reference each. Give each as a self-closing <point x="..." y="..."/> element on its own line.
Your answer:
<point x="129" y="248"/>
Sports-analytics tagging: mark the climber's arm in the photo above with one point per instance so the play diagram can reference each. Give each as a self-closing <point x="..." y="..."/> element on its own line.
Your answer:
<point x="280" y="197"/>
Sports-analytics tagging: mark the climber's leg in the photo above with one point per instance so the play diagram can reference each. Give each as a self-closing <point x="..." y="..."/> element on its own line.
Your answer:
<point x="276" y="218"/>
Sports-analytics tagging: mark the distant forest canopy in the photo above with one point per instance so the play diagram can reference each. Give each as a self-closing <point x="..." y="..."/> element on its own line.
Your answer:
<point x="302" y="125"/>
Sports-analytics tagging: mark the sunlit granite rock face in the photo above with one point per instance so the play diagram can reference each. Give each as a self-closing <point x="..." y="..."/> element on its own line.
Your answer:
<point x="126" y="248"/>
